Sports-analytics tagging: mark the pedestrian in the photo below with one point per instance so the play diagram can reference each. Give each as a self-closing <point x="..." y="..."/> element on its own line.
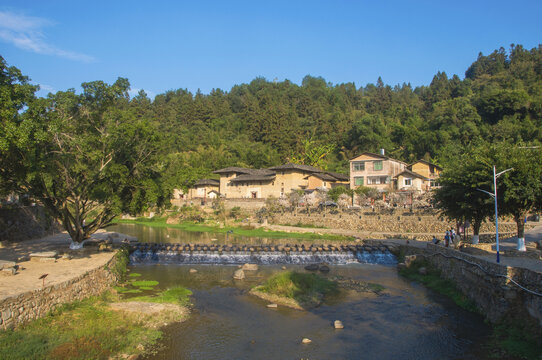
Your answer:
<point x="447" y="239"/>
<point x="435" y="240"/>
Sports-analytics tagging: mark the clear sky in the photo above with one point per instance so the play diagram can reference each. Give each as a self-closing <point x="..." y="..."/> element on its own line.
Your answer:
<point x="164" y="45"/>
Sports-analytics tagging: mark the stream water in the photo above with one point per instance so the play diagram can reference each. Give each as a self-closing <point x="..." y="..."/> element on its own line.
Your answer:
<point x="404" y="321"/>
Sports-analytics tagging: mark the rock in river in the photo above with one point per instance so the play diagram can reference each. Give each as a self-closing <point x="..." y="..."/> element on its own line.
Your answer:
<point x="239" y="274"/>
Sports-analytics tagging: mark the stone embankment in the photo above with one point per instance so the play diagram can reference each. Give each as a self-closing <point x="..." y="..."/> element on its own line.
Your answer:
<point x="384" y="225"/>
<point x="288" y="248"/>
<point x="498" y="291"/>
<point x="19" y="307"/>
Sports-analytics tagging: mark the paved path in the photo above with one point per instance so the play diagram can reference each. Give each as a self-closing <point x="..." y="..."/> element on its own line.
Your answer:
<point x="27" y="278"/>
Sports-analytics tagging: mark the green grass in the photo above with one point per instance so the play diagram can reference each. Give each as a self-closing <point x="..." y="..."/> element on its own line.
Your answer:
<point x="259" y="232"/>
<point x="134" y="275"/>
<point x="176" y="295"/>
<point x="144" y="283"/>
<point x="516" y="339"/>
<point x="302" y="287"/>
<point x="433" y="281"/>
<point x="81" y="330"/>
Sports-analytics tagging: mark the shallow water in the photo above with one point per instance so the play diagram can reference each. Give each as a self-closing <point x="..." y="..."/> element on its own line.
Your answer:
<point x="171" y="235"/>
<point x="405" y="321"/>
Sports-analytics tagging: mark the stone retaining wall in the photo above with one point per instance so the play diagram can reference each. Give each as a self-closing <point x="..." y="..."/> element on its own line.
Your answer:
<point x="17" y="310"/>
<point x="393" y="224"/>
<point x="496" y="296"/>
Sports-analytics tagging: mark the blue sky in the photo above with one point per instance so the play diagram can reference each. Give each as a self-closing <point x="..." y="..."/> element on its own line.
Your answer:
<point x="164" y="45"/>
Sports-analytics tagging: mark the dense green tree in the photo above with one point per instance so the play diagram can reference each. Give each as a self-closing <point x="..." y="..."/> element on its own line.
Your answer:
<point x="459" y="197"/>
<point x="93" y="159"/>
<point x="16" y="130"/>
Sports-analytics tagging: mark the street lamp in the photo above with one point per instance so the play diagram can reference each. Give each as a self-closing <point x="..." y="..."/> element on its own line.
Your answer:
<point x="494" y="196"/>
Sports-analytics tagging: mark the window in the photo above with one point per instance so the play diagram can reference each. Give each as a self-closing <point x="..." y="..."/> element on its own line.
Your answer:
<point x="358" y="166"/>
<point x="377" y="180"/>
<point x="408" y="182"/>
<point x="377" y="165"/>
<point x="358" y="181"/>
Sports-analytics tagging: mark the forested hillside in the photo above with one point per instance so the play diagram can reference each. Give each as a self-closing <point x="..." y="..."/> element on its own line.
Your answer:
<point x="265" y="123"/>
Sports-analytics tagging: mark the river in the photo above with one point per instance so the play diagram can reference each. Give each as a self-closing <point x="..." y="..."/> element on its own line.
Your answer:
<point x="404" y="321"/>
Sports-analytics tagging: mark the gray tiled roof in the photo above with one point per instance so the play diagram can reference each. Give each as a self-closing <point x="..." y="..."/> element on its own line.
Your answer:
<point x="292" y="166"/>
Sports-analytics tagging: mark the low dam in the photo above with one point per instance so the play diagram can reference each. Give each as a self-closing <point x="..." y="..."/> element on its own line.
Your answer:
<point x="260" y="254"/>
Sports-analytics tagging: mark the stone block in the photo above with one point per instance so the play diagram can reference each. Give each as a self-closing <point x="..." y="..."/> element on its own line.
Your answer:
<point x="6" y="264"/>
<point x="8" y="271"/>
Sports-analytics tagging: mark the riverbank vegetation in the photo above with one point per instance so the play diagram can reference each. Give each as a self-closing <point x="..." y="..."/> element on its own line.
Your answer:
<point x="242" y="230"/>
<point x="295" y="289"/>
<point x="88" y="329"/>
<point x="510" y="339"/>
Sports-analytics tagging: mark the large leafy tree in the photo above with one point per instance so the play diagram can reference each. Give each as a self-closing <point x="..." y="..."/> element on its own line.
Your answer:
<point x="459" y="197"/>
<point x="92" y="158"/>
<point x="519" y="190"/>
<point x="16" y="93"/>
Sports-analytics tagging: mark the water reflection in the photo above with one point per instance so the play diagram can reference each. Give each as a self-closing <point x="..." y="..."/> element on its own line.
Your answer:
<point x="405" y="322"/>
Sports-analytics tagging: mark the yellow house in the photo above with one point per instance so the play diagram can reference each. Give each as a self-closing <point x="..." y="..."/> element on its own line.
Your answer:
<point x="427" y="170"/>
<point x="327" y="180"/>
<point x="205" y="188"/>
<point x="408" y="180"/>
<point x="277" y="181"/>
<point x="374" y="170"/>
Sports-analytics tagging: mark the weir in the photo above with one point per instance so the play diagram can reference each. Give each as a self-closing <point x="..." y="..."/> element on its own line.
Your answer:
<point x="145" y="253"/>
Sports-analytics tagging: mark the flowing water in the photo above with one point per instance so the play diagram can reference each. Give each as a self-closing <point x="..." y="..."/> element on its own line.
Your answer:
<point x="404" y="321"/>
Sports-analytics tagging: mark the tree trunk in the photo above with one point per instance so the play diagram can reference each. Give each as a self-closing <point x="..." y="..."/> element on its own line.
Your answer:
<point x="477" y="224"/>
<point x="519" y="218"/>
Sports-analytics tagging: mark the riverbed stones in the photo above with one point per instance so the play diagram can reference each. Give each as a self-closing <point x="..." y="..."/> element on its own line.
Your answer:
<point x="306" y="341"/>
<point x="272" y="306"/>
<point x="338" y="324"/>
<point x="324" y="268"/>
<point x="250" y="267"/>
<point x="312" y="267"/>
<point x="239" y="274"/>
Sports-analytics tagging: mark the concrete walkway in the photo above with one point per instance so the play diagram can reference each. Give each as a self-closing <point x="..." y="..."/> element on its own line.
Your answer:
<point x="27" y="277"/>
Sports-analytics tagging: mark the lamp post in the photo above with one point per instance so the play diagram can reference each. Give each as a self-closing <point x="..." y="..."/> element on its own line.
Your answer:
<point x="494" y="196"/>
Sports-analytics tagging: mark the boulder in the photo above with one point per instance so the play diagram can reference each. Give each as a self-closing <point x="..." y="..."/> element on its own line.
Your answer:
<point x="250" y="267"/>
<point x="422" y="271"/>
<point x="239" y="274"/>
<point x="306" y="341"/>
<point x="192" y="271"/>
<point x="324" y="268"/>
<point x="8" y="271"/>
<point x="272" y="305"/>
<point x="410" y="259"/>
<point x="312" y="267"/>
<point x="338" y="324"/>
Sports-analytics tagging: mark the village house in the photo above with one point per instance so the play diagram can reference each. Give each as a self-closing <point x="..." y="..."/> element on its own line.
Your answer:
<point x="375" y="170"/>
<point x="410" y="181"/>
<point x="277" y="181"/>
<point x="204" y="189"/>
<point x="421" y="176"/>
<point x="427" y="170"/>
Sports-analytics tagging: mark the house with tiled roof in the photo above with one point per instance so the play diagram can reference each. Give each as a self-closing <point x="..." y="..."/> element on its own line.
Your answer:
<point x="375" y="170"/>
<point x="276" y="181"/>
<point x="428" y="170"/>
